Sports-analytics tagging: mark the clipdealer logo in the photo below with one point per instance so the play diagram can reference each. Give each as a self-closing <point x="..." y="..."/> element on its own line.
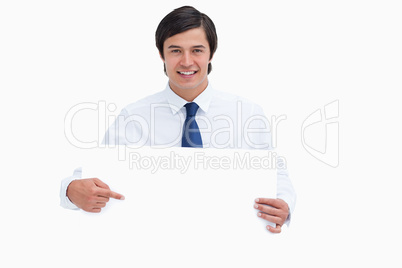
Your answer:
<point x="319" y="131"/>
<point x="320" y="134"/>
<point x="200" y="160"/>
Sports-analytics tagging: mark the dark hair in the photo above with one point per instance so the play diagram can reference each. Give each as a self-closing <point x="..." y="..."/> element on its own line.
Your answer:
<point x="181" y="20"/>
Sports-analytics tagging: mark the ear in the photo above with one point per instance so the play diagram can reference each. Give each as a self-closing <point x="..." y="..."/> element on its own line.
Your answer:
<point x="211" y="58"/>
<point x="160" y="55"/>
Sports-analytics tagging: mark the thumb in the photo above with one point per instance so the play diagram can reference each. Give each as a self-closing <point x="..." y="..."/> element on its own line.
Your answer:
<point x="275" y="230"/>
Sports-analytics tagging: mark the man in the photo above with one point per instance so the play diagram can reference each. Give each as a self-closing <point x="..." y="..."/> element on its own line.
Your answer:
<point x="186" y="40"/>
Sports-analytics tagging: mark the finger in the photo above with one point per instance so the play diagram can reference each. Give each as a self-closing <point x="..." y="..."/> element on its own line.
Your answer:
<point x="100" y="204"/>
<point x="102" y="199"/>
<point x="273" y="219"/>
<point x="92" y="209"/>
<point x="275" y="230"/>
<point x="269" y="201"/>
<point x="94" y="199"/>
<point x="281" y="213"/>
<point x="95" y="210"/>
<point x="267" y="209"/>
<point x="110" y="193"/>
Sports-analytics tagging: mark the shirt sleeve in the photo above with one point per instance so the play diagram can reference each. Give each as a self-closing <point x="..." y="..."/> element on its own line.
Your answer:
<point x="65" y="202"/>
<point x="285" y="190"/>
<point x="117" y="131"/>
<point x="111" y="138"/>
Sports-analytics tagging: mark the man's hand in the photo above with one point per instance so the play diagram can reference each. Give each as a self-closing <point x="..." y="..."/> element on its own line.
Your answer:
<point x="90" y="195"/>
<point x="273" y="210"/>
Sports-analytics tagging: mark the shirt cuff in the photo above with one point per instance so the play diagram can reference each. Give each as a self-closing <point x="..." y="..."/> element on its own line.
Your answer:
<point x="289" y="218"/>
<point x="286" y="192"/>
<point x="65" y="202"/>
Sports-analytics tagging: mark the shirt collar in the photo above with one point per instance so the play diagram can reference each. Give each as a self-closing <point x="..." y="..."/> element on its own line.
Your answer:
<point x="176" y="102"/>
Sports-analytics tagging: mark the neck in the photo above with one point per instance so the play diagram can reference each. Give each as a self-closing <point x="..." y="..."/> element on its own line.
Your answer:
<point x="189" y="94"/>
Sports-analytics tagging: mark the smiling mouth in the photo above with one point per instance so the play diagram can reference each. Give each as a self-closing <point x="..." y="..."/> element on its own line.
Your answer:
<point x="188" y="73"/>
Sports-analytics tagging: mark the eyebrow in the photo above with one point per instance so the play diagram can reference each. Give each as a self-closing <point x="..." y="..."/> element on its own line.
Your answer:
<point x="174" y="46"/>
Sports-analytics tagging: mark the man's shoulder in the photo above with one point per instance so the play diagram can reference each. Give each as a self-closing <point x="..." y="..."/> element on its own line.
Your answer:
<point x="231" y="99"/>
<point x="146" y="102"/>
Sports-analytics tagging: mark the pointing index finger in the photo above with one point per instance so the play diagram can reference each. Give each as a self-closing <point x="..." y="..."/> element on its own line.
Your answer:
<point x="110" y="193"/>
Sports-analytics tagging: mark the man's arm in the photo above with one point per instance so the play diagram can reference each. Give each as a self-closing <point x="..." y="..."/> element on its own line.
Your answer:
<point x="65" y="202"/>
<point x="90" y="195"/>
<point x="279" y="210"/>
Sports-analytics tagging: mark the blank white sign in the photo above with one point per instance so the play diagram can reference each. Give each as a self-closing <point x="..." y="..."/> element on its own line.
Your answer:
<point x="180" y="217"/>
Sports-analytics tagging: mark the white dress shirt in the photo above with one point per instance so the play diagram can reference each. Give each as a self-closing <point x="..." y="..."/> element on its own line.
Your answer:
<point x="225" y="121"/>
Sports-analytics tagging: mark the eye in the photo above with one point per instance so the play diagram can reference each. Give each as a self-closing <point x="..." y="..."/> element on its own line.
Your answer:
<point x="197" y="50"/>
<point x="175" y="51"/>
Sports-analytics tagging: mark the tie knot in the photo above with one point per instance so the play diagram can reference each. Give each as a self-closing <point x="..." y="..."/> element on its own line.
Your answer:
<point x="191" y="109"/>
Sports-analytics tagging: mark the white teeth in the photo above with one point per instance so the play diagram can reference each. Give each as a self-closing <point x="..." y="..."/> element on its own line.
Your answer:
<point x="187" y="73"/>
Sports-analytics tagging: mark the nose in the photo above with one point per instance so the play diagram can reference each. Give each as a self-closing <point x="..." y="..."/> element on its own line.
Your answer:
<point x="187" y="59"/>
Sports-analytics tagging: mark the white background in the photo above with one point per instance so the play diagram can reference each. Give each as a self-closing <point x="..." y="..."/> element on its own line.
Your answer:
<point x="291" y="57"/>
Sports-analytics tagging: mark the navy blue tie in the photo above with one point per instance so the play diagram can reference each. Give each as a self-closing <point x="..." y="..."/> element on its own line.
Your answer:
<point x="191" y="132"/>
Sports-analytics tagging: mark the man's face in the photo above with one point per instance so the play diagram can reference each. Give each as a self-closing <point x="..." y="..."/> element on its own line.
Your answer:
<point x="186" y="59"/>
